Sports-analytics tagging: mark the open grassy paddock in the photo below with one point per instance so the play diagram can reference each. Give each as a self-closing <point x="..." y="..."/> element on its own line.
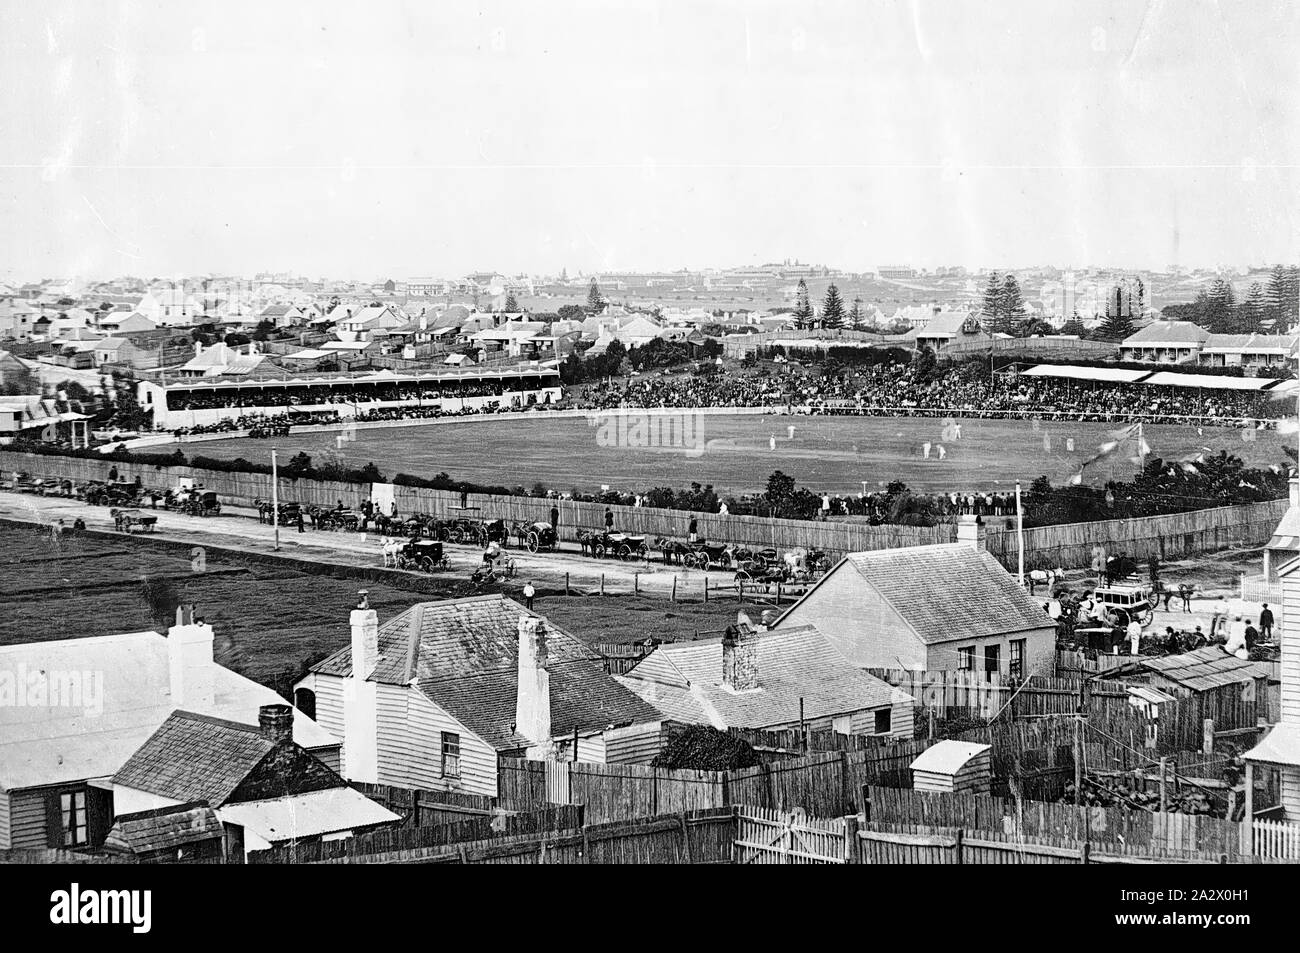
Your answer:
<point x="736" y="456"/>
<point x="269" y="619"/>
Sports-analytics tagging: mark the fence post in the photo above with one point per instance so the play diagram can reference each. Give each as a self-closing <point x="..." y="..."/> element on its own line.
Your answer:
<point x="686" y="838"/>
<point x="850" y="838"/>
<point x="1207" y="737"/>
<point x="602" y="584"/>
<point x="674" y="596"/>
<point x="706" y="588"/>
<point x="636" y="584"/>
<point x="960" y="847"/>
<point x="1085" y="853"/>
<point x="566" y="582"/>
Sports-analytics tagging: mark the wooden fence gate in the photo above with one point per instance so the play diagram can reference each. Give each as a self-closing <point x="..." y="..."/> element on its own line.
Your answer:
<point x="773" y="837"/>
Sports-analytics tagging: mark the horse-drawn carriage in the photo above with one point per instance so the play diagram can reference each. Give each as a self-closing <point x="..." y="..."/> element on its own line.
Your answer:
<point x="611" y="543"/>
<point x="535" y="536"/>
<point x="132" y="521"/>
<point x="702" y="554"/>
<point x="111" y="494"/>
<point x="422" y="554"/>
<point x="1127" y="602"/>
<point x="333" y="519"/>
<point x="795" y="566"/>
<point x="202" y="503"/>
<point x="494" y="570"/>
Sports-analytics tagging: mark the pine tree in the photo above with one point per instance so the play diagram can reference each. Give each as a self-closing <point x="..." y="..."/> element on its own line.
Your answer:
<point x="512" y="306"/>
<point x="803" y="312"/>
<point x="1117" y="326"/>
<point x="991" y="312"/>
<point x="857" y="317"/>
<point x="1013" y="305"/>
<point x="1221" y="306"/>
<point x="595" y="303"/>
<point x="1252" y="310"/>
<point x="1074" y="326"/>
<point x="833" y="309"/>
<point x="1275" y="297"/>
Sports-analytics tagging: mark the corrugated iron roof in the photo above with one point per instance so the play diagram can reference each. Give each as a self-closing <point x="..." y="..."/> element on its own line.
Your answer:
<point x="948" y="757"/>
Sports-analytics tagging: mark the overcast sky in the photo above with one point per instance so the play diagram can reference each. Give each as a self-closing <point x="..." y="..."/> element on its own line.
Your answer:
<point x="407" y="139"/>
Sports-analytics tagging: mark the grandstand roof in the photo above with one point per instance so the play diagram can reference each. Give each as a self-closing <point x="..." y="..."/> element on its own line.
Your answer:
<point x="1110" y="374"/>
<point x="1209" y="381"/>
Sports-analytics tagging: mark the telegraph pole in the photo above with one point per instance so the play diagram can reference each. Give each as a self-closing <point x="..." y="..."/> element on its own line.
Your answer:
<point x="1020" y="539"/>
<point x="275" y="499"/>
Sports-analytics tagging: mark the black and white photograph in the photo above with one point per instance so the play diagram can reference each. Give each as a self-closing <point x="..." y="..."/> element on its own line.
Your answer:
<point x="737" y="432"/>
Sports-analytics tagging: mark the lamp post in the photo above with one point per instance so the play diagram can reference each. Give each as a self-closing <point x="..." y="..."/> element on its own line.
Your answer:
<point x="1020" y="538"/>
<point x="275" y="499"/>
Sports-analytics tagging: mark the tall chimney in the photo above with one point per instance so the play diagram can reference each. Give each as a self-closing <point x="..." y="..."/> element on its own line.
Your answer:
<point x="189" y="659"/>
<point x="740" y="656"/>
<point x="533" y="705"/>
<point x="970" y="530"/>
<point x="365" y="638"/>
<point x="276" y="722"/>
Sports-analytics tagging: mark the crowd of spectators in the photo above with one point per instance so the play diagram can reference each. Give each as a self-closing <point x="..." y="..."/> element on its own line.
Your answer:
<point x="308" y="395"/>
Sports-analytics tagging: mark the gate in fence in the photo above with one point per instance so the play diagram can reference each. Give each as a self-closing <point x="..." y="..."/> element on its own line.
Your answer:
<point x="775" y="837"/>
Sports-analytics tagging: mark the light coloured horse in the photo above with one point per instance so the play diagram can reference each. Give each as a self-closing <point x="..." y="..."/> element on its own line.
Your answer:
<point x="392" y="546"/>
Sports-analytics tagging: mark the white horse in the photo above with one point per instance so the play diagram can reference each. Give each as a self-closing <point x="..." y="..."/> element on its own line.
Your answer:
<point x="392" y="546"/>
<point x="1047" y="576"/>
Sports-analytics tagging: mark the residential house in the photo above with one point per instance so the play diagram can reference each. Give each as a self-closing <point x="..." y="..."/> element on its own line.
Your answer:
<point x="1249" y="350"/>
<point x="166" y="835"/>
<point x="753" y="677"/>
<point x="265" y="789"/>
<point x="1165" y="342"/>
<point x="368" y="323"/>
<point x="17" y="319"/>
<point x="88" y="704"/>
<point x="952" y="327"/>
<point x="434" y="697"/>
<point x="171" y="307"/>
<point x="120" y="323"/>
<point x="123" y="352"/>
<point x="931" y="608"/>
<point x="221" y="360"/>
<point x="1280" y="748"/>
<point x="1209" y="678"/>
<point x="282" y="315"/>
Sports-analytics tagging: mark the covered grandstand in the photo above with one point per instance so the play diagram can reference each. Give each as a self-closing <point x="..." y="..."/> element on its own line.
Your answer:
<point x="202" y="403"/>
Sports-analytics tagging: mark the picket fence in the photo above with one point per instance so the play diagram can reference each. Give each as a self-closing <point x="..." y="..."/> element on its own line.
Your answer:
<point x="1067" y="545"/>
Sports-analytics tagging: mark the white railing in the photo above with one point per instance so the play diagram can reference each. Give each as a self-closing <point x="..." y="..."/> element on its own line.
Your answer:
<point x="1279" y="840"/>
<point x="1259" y="589"/>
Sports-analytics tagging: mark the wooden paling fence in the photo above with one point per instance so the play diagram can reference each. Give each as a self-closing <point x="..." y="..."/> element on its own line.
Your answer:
<point x="764" y="836"/>
<point x="1066" y="545"/>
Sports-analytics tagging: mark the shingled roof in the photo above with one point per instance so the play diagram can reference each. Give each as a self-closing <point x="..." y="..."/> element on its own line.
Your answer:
<point x="195" y="758"/>
<point x="947" y="591"/>
<point x="163" y="829"/>
<point x="466" y="657"/>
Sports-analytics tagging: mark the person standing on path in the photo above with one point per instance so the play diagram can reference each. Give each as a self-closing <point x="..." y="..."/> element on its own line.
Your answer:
<point x="301" y="528"/>
<point x="1220" y="618"/>
<point x="1134" y="636"/>
<point x="692" y="529"/>
<point x="529" y="593"/>
<point x="609" y="519"/>
<point x="1266" y="624"/>
<point x="555" y="520"/>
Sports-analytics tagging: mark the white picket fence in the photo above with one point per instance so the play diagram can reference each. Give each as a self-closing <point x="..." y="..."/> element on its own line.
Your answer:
<point x="1277" y="840"/>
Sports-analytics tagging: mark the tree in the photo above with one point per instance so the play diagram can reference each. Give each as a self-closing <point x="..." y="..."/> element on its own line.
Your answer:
<point x="1220" y="307"/>
<point x="803" y="311"/>
<point x="833" y="308"/>
<point x="1117" y="326"/>
<point x="571" y="312"/>
<point x="595" y="303"/>
<point x="512" y="306"/>
<point x="1283" y="296"/>
<point x="991" y="309"/>
<point x="1253" y="310"/>
<point x="1074" y="326"/>
<point x="780" y="492"/>
<point x="857" y="317"/>
<point x="925" y="366"/>
<point x="1013" y="305"/>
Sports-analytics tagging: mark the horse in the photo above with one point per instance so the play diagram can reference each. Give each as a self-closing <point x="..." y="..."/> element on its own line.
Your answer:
<point x="1048" y="576"/>
<point x="1120" y="567"/>
<point x="391" y="546"/>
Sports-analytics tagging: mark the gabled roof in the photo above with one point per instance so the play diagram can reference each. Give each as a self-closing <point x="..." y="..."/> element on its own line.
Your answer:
<point x="945" y="324"/>
<point x="978" y="597"/>
<point x="165" y="828"/>
<point x="51" y="744"/>
<point x="684" y="681"/>
<point x="195" y="758"/>
<point x="466" y="660"/>
<point x="311" y="814"/>
<point x="1183" y="333"/>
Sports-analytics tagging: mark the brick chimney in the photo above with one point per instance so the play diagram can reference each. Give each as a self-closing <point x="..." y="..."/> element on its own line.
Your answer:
<point x="276" y="722"/>
<point x="533" y="705"/>
<point x="740" y="656"/>
<point x="365" y="638"/>
<point x="189" y="658"/>
<point x="970" y="530"/>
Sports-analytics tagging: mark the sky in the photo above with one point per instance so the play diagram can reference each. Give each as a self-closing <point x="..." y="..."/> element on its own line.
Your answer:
<point x="391" y="139"/>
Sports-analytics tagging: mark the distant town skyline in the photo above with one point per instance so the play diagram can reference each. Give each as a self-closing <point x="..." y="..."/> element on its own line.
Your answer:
<point x="404" y="139"/>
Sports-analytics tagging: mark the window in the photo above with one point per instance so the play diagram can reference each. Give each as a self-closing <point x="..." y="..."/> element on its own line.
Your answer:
<point x="74" y="818"/>
<point x="966" y="658"/>
<point x="450" y="755"/>
<point x="843" y="725"/>
<point x="884" y="721"/>
<point x="1016" y="662"/>
<point x="991" y="661"/>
